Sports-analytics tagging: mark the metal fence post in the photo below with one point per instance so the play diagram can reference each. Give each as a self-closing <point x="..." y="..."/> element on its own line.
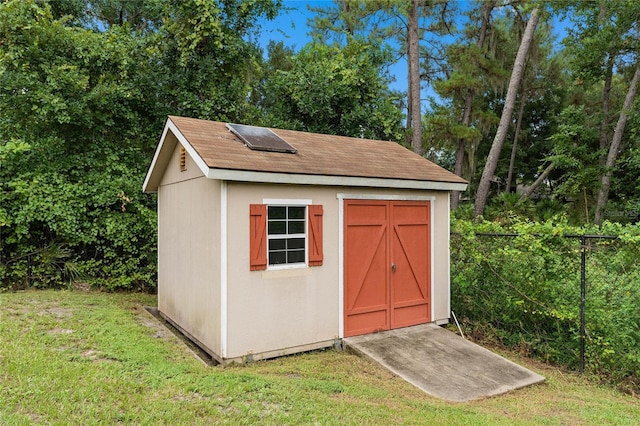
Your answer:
<point x="583" y="297"/>
<point x="29" y="270"/>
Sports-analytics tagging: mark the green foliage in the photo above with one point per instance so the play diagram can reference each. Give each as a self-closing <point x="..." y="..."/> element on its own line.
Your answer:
<point x="507" y="205"/>
<point x="525" y="291"/>
<point x="73" y="133"/>
<point x="85" y="87"/>
<point x="601" y="52"/>
<point x="333" y="90"/>
<point x="103" y="218"/>
<point x="205" y="66"/>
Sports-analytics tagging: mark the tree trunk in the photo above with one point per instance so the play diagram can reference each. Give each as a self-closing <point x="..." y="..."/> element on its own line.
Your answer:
<point x="466" y="120"/>
<point x="605" y="182"/>
<point x="514" y="148"/>
<point x="507" y="113"/>
<point x="409" y="125"/>
<point x="606" y="91"/>
<point x="606" y="104"/>
<point x="468" y="101"/>
<point x="414" y="78"/>
<point x="527" y="194"/>
<point x="348" y="22"/>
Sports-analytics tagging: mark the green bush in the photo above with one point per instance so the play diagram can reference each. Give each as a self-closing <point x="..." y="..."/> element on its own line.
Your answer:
<point x="76" y="136"/>
<point x="524" y="291"/>
<point x="82" y="219"/>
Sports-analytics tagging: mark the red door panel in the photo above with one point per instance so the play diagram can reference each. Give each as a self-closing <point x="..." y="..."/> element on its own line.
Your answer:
<point x="366" y="293"/>
<point x="410" y="253"/>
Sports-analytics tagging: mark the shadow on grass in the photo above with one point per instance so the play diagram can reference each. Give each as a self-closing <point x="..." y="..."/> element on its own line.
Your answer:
<point x="193" y="347"/>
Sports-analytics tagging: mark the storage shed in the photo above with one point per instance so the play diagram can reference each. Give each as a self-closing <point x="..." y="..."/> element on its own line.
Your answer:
<point x="272" y="241"/>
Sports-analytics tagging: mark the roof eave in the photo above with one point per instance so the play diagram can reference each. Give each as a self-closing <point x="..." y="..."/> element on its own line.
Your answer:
<point x="326" y="180"/>
<point x="163" y="154"/>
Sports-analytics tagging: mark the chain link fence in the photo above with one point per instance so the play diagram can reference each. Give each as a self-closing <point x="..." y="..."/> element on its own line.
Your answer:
<point x="572" y="300"/>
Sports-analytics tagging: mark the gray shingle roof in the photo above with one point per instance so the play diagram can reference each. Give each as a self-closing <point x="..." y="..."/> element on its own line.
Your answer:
<point x="317" y="155"/>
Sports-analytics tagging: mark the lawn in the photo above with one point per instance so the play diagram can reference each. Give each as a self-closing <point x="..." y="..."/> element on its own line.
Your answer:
<point x="72" y="357"/>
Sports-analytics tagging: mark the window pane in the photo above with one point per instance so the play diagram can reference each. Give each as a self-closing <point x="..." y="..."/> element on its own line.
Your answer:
<point x="296" y="256"/>
<point x="279" y="244"/>
<point x="277" y="257"/>
<point x="277" y="227"/>
<point x="283" y="223"/>
<point x="276" y="212"/>
<point x="296" y="212"/>
<point x="296" y="227"/>
<point x="295" y="243"/>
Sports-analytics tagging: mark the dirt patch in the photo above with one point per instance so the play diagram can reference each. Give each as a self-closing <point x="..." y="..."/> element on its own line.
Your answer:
<point x="157" y="328"/>
<point x="81" y="286"/>
<point x="33" y="417"/>
<point x="60" y="331"/>
<point x="95" y="356"/>
<point x="194" y="396"/>
<point x="90" y="353"/>
<point x="57" y="312"/>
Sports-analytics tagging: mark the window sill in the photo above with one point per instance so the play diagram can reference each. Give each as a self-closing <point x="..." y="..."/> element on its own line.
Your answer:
<point x="298" y="271"/>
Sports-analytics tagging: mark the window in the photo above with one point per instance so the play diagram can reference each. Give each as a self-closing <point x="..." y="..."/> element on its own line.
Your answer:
<point x="286" y="234"/>
<point x="282" y="235"/>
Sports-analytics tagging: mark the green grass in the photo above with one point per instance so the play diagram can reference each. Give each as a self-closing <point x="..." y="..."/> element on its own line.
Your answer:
<point x="89" y="358"/>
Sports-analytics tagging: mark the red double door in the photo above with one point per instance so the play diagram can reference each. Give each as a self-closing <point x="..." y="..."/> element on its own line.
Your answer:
<point x="387" y="271"/>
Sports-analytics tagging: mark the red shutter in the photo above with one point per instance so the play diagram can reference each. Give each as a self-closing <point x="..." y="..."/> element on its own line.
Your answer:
<point x="258" y="237"/>
<point x="315" y="235"/>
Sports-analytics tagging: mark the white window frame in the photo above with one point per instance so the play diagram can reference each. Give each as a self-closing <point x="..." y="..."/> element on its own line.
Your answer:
<point x="282" y="202"/>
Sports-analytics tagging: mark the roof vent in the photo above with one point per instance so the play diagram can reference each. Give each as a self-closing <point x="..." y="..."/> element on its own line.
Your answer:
<point x="183" y="159"/>
<point x="261" y="138"/>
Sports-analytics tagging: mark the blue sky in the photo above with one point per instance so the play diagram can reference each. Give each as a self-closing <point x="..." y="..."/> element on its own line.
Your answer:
<point x="290" y="26"/>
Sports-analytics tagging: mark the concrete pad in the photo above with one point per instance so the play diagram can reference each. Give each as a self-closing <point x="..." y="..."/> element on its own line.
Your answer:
<point x="443" y="364"/>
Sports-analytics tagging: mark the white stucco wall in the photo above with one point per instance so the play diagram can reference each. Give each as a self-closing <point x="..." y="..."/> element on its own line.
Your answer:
<point x="189" y="252"/>
<point x="274" y="310"/>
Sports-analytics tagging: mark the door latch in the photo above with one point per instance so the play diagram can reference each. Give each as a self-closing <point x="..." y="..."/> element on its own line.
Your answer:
<point x="393" y="267"/>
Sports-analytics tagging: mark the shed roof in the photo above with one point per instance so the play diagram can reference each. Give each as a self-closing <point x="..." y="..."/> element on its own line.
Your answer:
<point x="320" y="159"/>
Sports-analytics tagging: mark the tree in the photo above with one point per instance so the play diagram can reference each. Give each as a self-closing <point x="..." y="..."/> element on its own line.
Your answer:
<point x="516" y="135"/>
<point x="469" y="63"/>
<point x="85" y="87"/>
<point x="602" y="47"/>
<point x="206" y="65"/>
<point x="413" y="59"/>
<point x="610" y="35"/>
<point x="75" y="191"/>
<point x="540" y="100"/>
<point x="605" y="182"/>
<point x="406" y="26"/>
<point x="505" y="120"/>
<point x="333" y="90"/>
